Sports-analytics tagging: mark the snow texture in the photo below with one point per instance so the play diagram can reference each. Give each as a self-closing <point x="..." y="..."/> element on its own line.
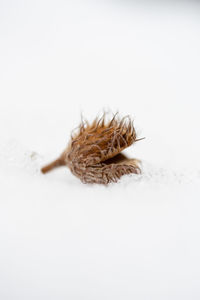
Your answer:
<point x="139" y="238"/>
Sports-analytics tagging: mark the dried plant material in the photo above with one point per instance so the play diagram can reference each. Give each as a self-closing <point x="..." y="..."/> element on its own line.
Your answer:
<point x="93" y="154"/>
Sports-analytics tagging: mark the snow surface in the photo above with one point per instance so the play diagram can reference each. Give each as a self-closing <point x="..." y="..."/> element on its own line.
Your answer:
<point x="61" y="239"/>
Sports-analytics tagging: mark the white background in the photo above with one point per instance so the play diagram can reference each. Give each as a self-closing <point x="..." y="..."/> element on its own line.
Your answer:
<point x="138" y="239"/>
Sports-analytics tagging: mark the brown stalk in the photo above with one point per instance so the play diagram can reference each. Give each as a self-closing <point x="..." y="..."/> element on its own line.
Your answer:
<point x="54" y="164"/>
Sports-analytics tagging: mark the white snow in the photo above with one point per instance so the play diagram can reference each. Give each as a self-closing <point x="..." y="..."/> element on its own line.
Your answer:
<point x="139" y="238"/>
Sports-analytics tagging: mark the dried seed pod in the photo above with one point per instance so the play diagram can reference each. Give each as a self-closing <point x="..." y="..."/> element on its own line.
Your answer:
<point x="93" y="154"/>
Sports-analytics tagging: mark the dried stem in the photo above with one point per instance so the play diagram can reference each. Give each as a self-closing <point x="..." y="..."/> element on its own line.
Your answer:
<point x="56" y="163"/>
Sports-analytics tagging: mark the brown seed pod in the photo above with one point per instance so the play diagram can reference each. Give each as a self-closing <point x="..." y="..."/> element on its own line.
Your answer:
<point x="93" y="153"/>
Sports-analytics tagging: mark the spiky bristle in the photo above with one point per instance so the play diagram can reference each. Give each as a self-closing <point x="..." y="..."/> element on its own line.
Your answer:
<point x="91" y="148"/>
